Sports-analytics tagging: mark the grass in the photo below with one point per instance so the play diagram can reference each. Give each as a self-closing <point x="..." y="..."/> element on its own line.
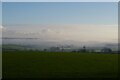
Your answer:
<point x="35" y="64"/>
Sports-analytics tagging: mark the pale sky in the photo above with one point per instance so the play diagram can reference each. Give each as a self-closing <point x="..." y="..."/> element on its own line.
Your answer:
<point x="59" y="0"/>
<point x="61" y="21"/>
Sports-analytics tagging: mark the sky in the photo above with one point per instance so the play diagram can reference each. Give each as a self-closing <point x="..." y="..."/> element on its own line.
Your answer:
<point x="0" y="21"/>
<point x="59" y="0"/>
<point x="0" y="13"/>
<point x="59" y="13"/>
<point x="82" y="21"/>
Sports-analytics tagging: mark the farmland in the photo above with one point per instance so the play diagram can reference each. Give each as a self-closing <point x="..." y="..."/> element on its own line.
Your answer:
<point x="36" y="64"/>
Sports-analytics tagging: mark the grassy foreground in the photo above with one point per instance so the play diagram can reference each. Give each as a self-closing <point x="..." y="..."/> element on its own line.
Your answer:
<point x="34" y="64"/>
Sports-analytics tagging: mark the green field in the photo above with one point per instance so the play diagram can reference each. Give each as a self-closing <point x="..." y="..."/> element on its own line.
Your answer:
<point x="35" y="64"/>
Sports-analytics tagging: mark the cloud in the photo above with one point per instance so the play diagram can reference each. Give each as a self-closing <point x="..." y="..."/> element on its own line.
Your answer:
<point x="102" y="33"/>
<point x="2" y="28"/>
